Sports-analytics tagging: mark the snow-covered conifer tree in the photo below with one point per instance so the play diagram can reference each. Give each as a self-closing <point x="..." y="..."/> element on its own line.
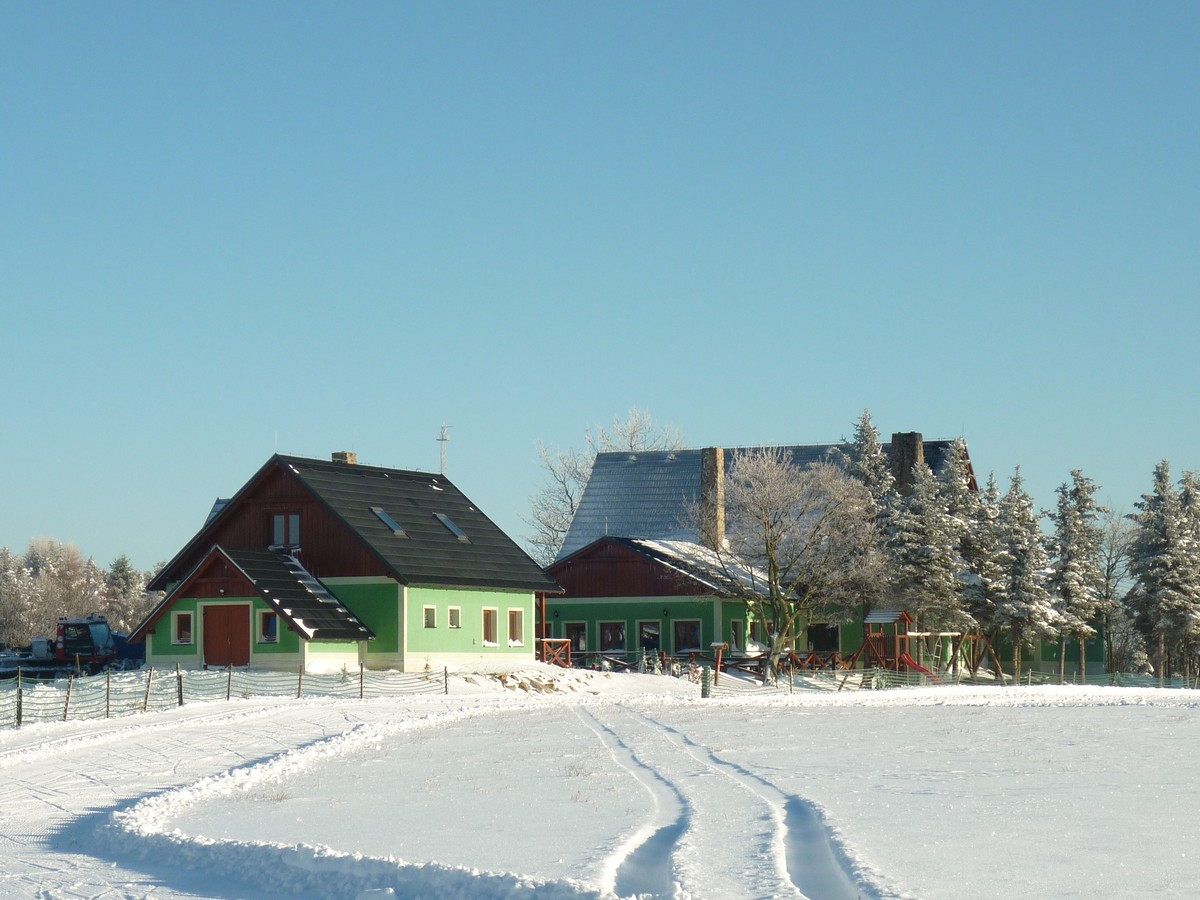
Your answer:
<point x="1024" y="610"/>
<point x="924" y="543"/>
<point x="1166" y="594"/>
<point x="1076" y="573"/>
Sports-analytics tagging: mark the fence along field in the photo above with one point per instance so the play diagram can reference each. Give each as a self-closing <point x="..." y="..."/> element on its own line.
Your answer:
<point x="112" y="694"/>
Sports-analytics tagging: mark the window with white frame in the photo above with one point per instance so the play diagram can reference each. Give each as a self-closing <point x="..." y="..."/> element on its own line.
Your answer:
<point x="431" y="617"/>
<point x="687" y="635"/>
<point x="737" y="632"/>
<point x="181" y="628"/>
<point x="516" y="628"/>
<point x="268" y="627"/>
<point x="489" y="628"/>
<point x="454" y="617"/>
<point x="612" y="637"/>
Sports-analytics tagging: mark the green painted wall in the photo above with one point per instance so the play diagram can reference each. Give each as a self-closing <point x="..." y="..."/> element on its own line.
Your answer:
<point x="468" y="636"/>
<point x="377" y="605"/>
<point x="159" y="645"/>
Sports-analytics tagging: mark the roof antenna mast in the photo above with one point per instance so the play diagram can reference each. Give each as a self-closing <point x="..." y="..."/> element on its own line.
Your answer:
<point x="443" y="437"/>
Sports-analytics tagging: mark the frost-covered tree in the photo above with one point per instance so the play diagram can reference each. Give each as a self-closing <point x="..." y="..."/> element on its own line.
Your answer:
<point x="808" y="536"/>
<point x="553" y="507"/>
<point x="866" y="461"/>
<point x="985" y="582"/>
<point x="926" y="564"/>
<point x="1024" y="610"/>
<point x="1165" y="563"/>
<point x="1076" y="573"/>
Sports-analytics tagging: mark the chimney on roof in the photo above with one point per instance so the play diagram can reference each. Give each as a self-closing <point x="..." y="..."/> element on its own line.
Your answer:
<point x="908" y="449"/>
<point x="712" y="497"/>
<point x="346" y="457"/>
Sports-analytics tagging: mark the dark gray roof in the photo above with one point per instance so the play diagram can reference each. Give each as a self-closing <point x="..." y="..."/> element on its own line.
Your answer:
<point x="429" y="553"/>
<point x="647" y="495"/>
<point x="298" y="597"/>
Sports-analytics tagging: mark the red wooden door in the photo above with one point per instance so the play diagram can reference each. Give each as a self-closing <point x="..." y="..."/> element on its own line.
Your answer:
<point x="227" y="635"/>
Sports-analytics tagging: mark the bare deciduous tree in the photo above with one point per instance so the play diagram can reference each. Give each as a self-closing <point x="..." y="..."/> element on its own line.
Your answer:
<point x="806" y="535"/>
<point x="553" y="506"/>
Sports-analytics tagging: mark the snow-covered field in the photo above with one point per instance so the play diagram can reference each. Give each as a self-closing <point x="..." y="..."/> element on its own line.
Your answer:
<point x="614" y="785"/>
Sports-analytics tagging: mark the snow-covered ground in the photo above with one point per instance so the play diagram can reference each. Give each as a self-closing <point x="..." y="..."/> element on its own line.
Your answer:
<point x="614" y="785"/>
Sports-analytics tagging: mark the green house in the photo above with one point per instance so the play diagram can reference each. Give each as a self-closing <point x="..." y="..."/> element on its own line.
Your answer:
<point x="329" y="565"/>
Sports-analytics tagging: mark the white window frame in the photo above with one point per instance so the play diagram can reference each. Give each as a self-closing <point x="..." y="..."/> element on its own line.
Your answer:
<point x="675" y="623"/>
<point x="175" y="641"/>
<point x="454" y="617"/>
<point x="518" y="641"/>
<point x="495" y="611"/>
<point x="263" y="637"/>
<point x="429" y="616"/>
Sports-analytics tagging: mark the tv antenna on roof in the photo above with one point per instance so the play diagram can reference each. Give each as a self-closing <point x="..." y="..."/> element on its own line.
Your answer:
<point x="443" y="437"/>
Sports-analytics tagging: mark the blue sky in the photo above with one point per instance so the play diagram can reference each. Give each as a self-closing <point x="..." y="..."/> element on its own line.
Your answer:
<point x="232" y="228"/>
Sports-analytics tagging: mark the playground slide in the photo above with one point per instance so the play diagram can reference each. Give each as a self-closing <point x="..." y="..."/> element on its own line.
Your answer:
<point x="917" y="667"/>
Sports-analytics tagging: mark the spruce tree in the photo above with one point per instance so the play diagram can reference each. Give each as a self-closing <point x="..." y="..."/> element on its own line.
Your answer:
<point x="1024" y="611"/>
<point x="1076" y="572"/>
<point x="927" y="565"/>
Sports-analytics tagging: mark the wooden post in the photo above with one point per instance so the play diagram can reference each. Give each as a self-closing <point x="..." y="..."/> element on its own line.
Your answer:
<point x="67" y="705"/>
<point x="146" y="700"/>
<point x="229" y="683"/>
<point x="360" y="681"/>
<point x="299" y="681"/>
<point x="107" y="691"/>
<point x="20" y="696"/>
<point x="446" y="680"/>
<point x="179" y="683"/>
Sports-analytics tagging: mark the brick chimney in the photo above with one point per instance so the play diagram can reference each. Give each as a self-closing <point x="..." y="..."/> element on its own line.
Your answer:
<point x="908" y="449"/>
<point x="712" y="497"/>
<point x="346" y="457"/>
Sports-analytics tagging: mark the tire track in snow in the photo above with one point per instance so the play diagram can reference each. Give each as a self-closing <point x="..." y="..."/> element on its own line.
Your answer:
<point x="736" y="845"/>
<point x="643" y="863"/>
<point x="812" y="863"/>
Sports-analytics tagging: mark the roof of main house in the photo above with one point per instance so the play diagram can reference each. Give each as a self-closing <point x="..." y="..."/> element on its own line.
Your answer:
<point x="647" y="494"/>
<point x="277" y="577"/>
<point x="444" y="540"/>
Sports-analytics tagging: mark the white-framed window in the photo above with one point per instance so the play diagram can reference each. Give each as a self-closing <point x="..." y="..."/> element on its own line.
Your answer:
<point x="454" y="617"/>
<point x="431" y="617"/>
<point x="268" y="627"/>
<point x="612" y="637"/>
<point x="576" y="633"/>
<point x="181" y="628"/>
<point x="737" y="634"/>
<point x="687" y="635"/>
<point x="489" y="627"/>
<point x="516" y="628"/>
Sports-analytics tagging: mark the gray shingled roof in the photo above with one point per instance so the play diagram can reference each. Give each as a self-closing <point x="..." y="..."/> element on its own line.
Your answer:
<point x="646" y="495"/>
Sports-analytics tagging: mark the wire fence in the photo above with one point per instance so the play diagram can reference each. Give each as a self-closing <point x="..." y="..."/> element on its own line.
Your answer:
<point x="113" y="694"/>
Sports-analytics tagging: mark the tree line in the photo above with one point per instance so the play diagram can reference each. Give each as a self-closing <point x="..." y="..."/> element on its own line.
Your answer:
<point x="53" y="579"/>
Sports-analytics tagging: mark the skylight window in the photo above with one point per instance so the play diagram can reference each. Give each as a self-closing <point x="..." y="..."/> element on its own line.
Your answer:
<point x="452" y="528"/>
<point x="389" y="521"/>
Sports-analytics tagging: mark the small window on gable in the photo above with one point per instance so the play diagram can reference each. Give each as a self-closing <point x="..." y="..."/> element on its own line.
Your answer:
<point x="452" y="528"/>
<point x="285" y="530"/>
<point x="455" y="617"/>
<point x="268" y="628"/>
<point x="431" y="617"/>
<point x="387" y="520"/>
<point x="181" y="628"/>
